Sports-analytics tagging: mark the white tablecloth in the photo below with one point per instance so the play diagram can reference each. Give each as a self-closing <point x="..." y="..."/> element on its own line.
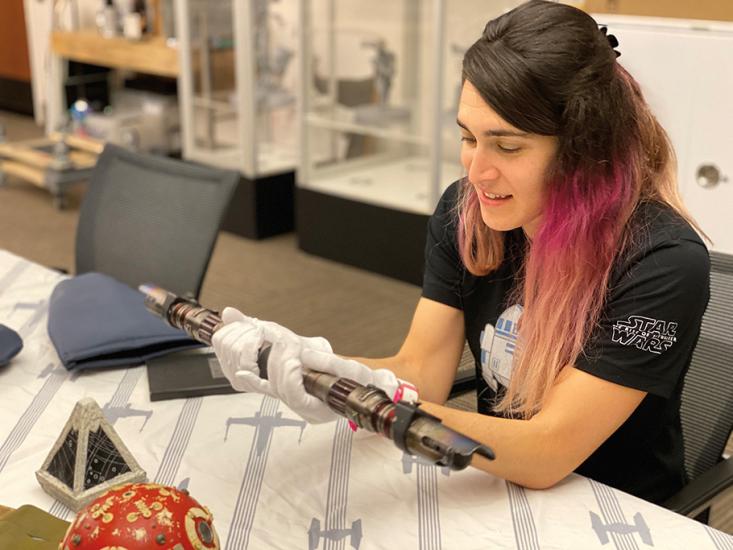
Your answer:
<point x="273" y="481"/>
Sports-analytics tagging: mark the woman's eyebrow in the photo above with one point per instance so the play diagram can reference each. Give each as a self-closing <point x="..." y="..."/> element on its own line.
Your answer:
<point x="498" y="132"/>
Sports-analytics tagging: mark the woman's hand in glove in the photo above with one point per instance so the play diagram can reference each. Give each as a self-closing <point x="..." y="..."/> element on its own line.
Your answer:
<point x="285" y="369"/>
<point x="237" y="345"/>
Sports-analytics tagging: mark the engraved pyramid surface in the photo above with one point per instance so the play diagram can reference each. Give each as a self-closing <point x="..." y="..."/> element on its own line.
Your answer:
<point x="104" y="461"/>
<point x="87" y="459"/>
<point x="62" y="464"/>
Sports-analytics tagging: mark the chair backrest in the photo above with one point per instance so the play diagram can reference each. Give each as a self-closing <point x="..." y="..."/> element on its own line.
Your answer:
<point x="707" y="397"/>
<point x="151" y="219"/>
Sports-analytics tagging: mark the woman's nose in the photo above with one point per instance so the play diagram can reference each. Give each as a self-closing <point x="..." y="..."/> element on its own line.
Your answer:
<point x="482" y="167"/>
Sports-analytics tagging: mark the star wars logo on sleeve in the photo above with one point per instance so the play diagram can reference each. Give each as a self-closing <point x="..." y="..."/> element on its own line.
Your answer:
<point x="645" y="333"/>
<point x="497" y="347"/>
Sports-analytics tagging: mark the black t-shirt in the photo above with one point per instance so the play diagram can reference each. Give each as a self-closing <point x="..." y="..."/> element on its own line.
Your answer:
<point x="645" y="338"/>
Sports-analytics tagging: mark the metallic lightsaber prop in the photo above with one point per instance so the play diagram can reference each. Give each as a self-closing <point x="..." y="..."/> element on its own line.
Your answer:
<point x="412" y="429"/>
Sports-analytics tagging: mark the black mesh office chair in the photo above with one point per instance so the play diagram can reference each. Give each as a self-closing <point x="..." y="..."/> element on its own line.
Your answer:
<point x="707" y="398"/>
<point x="151" y="219"/>
<point x="464" y="383"/>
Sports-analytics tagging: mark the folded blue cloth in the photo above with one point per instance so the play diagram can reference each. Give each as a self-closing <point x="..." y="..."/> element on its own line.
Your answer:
<point x="95" y="321"/>
<point x="10" y="344"/>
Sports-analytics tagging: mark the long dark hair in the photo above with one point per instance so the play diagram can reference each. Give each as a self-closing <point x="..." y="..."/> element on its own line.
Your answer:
<point x="546" y="68"/>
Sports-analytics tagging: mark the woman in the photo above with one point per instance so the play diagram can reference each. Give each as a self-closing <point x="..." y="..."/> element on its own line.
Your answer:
<point x="565" y="258"/>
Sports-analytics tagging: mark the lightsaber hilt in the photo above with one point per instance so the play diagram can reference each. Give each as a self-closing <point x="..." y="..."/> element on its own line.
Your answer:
<point x="412" y="429"/>
<point x="188" y="315"/>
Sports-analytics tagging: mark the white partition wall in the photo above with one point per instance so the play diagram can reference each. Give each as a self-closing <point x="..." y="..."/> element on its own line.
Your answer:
<point x="685" y="68"/>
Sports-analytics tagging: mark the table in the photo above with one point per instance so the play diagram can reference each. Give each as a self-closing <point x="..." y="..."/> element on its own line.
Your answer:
<point x="273" y="481"/>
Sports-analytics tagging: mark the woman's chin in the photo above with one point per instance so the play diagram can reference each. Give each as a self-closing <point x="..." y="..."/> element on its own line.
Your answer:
<point x="499" y="224"/>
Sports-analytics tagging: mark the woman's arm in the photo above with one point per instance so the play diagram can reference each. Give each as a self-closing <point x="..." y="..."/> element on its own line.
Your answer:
<point x="431" y="352"/>
<point x="581" y="412"/>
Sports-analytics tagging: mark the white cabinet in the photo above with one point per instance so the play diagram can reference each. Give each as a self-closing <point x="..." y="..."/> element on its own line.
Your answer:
<point x="685" y="69"/>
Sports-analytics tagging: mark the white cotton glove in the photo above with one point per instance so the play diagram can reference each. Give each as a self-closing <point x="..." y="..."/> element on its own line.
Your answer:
<point x="285" y="369"/>
<point x="233" y="315"/>
<point x="285" y="366"/>
<point x="384" y="379"/>
<point x="237" y="346"/>
<point x="238" y="343"/>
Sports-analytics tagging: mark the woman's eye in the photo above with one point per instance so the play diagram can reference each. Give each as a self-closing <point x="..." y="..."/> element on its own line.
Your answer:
<point x="466" y="139"/>
<point x="508" y="148"/>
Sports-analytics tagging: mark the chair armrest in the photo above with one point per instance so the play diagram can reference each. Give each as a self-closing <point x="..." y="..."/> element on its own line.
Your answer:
<point x="696" y="495"/>
<point x="463" y="384"/>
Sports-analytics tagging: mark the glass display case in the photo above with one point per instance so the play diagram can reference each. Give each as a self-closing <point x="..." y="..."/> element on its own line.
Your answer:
<point x="238" y="83"/>
<point x="380" y="86"/>
<point x="370" y="98"/>
<point x="237" y="88"/>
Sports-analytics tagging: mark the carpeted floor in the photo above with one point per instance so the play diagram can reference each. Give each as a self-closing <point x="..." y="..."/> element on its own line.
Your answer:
<point x="360" y="313"/>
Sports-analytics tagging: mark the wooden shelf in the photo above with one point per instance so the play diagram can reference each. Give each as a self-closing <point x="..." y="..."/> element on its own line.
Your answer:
<point x="150" y="55"/>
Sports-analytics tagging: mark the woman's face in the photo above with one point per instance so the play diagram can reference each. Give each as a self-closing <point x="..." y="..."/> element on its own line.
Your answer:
<point x="505" y="166"/>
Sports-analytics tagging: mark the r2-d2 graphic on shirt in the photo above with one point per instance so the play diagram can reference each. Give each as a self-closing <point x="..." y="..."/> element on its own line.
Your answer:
<point x="497" y="348"/>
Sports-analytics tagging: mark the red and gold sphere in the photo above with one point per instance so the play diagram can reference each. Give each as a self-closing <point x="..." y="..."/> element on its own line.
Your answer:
<point x="142" y="516"/>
